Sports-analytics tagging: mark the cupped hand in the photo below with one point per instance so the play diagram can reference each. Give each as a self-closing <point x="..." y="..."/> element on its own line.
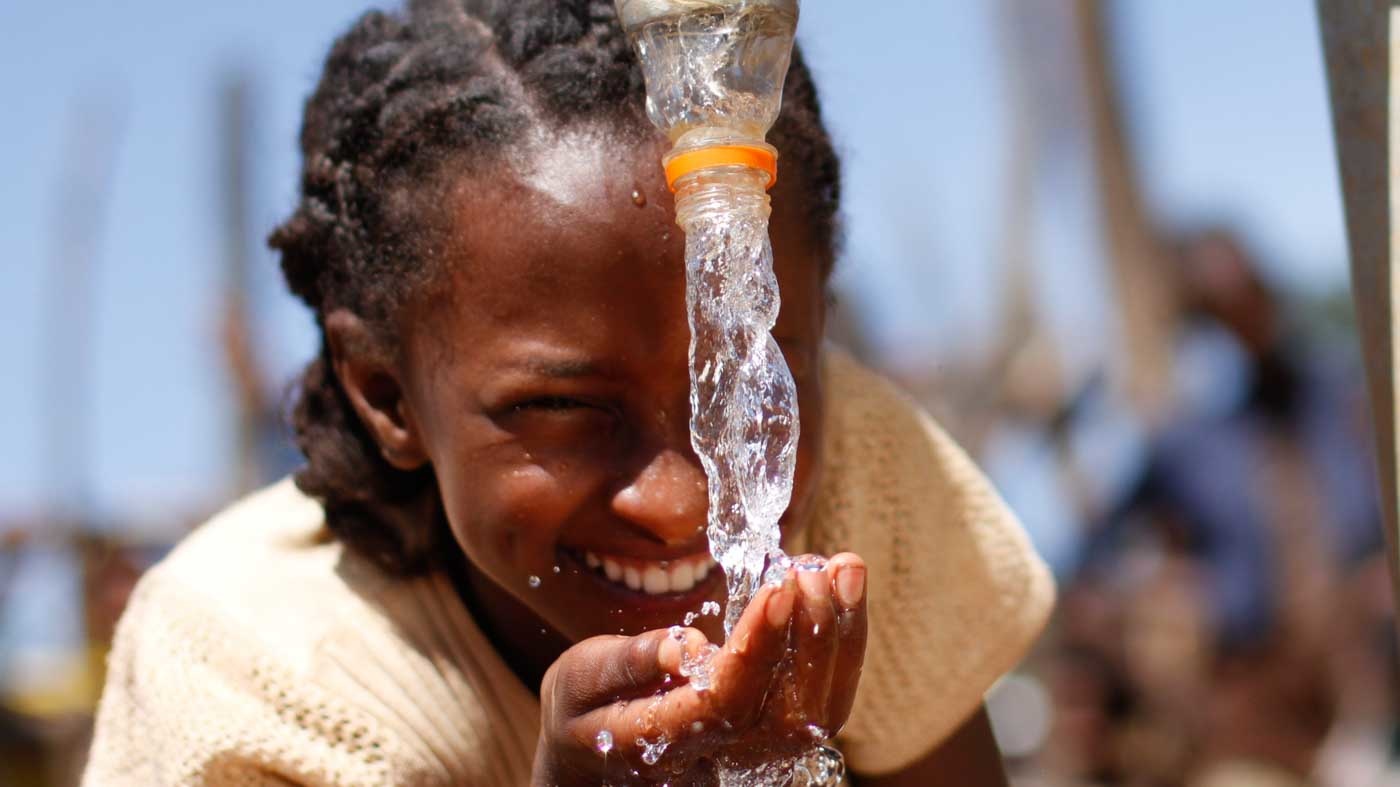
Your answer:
<point x="785" y="679"/>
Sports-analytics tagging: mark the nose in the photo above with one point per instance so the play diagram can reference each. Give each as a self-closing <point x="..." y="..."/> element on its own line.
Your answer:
<point x="667" y="498"/>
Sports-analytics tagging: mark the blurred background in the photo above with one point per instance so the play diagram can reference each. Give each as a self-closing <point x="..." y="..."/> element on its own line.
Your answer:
<point x="1101" y="240"/>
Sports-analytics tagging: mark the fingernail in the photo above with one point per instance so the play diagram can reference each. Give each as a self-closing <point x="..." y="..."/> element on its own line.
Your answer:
<point x="780" y="605"/>
<point x="850" y="585"/>
<point x="814" y="583"/>
<point x="668" y="654"/>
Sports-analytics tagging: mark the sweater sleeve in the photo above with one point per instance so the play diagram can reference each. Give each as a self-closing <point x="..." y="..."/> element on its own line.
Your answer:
<point x="192" y="699"/>
<point x="957" y="594"/>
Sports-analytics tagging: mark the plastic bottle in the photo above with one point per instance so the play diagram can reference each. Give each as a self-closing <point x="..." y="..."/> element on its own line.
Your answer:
<point x="714" y="72"/>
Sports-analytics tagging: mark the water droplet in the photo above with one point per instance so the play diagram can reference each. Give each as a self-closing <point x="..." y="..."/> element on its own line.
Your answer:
<point x="677" y="633"/>
<point x="709" y="608"/>
<point x="638" y="198"/>
<point x="651" y="752"/>
<point x="604" y="741"/>
<point x="698" y="668"/>
<point x="666" y="679"/>
<point x="665" y="236"/>
<point x="817" y="732"/>
<point x="816" y="629"/>
<point x="690" y="618"/>
<point x="556" y="569"/>
<point x="534" y="581"/>
<point x="697" y="727"/>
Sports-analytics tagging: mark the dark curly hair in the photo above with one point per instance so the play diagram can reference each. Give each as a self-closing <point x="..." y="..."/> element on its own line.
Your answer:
<point x="401" y="95"/>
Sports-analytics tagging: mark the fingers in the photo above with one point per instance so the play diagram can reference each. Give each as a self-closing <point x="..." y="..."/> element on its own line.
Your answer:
<point x="604" y="670"/>
<point x="685" y="721"/>
<point x="742" y="671"/>
<point x="739" y="677"/>
<point x="811" y="659"/>
<point x="745" y="665"/>
<point x="848" y="574"/>
<point x="793" y="660"/>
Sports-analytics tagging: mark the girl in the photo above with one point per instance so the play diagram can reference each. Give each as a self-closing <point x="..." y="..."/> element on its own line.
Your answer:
<point x="472" y="579"/>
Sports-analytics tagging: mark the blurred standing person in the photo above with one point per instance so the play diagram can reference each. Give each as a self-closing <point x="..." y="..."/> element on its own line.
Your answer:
<point x="1265" y="486"/>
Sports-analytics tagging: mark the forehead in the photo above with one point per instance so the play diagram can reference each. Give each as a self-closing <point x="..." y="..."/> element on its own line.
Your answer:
<point x="569" y="220"/>
<point x="585" y="167"/>
<point x="571" y="236"/>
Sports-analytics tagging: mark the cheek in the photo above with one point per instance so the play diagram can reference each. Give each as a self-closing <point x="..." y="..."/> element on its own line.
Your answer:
<point x="811" y="410"/>
<point x="506" y="520"/>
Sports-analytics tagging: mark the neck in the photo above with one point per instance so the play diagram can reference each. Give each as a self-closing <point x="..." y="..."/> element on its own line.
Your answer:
<point x="527" y="644"/>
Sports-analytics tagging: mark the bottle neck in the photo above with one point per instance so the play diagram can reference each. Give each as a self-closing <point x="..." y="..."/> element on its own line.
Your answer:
<point x="721" y="192"/>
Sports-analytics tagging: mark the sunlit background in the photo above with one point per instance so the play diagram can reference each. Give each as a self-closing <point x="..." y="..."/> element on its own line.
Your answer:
<point x="1023" y="192"/>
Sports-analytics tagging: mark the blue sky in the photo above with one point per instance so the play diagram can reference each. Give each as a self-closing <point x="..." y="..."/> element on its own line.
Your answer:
<point x="1228" y="108"/>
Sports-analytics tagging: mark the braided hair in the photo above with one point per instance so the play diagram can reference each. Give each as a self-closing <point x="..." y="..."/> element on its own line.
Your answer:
<point x="401" y="95"/>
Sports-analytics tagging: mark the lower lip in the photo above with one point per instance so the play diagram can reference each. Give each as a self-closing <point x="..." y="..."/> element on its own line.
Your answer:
<point x="703" y="589"/>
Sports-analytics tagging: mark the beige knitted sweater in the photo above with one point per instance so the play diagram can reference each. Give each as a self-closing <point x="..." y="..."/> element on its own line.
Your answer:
<point x="261" y="652"/>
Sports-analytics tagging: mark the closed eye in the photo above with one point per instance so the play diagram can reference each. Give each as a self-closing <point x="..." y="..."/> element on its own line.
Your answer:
<point x="550" y="403"/>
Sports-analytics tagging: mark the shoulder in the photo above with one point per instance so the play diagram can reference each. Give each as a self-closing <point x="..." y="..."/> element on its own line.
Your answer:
<point x="261" y="651"/>
<point x="268" y="566"/>
<point x="958" y="595"/>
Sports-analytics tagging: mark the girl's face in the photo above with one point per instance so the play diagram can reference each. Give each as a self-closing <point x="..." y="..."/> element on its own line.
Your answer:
<point x="548" y="385"/>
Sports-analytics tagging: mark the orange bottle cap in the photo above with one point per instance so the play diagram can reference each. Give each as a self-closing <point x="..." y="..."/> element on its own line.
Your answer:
<point x="683" y="164"/>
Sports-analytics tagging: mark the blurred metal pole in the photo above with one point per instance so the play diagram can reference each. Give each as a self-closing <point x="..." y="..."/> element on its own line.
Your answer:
<point x="1138" y="263"/>
<point x="66" y="390"/>
<point x="1361" y="40"/>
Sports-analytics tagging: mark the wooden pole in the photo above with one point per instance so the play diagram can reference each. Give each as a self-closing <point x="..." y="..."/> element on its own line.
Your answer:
<point x="1361" y="40"/>
<point x="1138" y="264"/>
<point x="234" y="195"/>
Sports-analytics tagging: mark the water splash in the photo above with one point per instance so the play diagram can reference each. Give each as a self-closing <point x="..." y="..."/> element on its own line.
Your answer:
<point x="824" y="766"/>
<point x="652" y="750"/>
<point x="698" y="668"/>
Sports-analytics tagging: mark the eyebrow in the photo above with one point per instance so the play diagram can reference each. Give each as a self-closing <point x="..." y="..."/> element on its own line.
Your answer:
<point x="567" y="369"/>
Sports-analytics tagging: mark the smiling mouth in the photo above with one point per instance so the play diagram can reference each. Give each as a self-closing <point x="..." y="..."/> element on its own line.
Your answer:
<point x="652" y="577"/>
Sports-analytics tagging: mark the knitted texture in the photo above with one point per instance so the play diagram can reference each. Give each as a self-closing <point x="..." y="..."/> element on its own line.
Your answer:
<point x="262" y="652"/>
<point x="956" y="592"/>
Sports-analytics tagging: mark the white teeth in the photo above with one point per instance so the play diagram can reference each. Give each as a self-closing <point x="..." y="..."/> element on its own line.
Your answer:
<point x="656" y="581"/>
<point x="653" y="578"/>
<point x="682" y="577"/>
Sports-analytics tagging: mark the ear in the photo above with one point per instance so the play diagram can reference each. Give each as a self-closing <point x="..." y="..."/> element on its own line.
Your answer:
<point x="372" y="384"/>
